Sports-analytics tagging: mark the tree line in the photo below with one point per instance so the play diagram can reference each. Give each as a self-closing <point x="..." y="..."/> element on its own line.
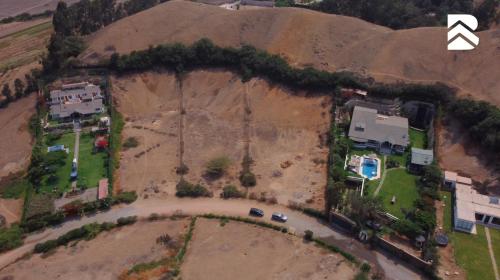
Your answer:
<point x="401" y="14"/>
<point x="20" y="89"/>
<point x="26" y="17"/>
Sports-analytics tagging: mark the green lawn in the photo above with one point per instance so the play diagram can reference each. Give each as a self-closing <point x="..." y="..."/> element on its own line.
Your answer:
<point x="91" y="166"/>
<point x="15" y="189"/>
<point x="471" y="251"/>
<point x="63" y="173"/>
<point x="495" y="241"/>
<point x="399" y="183"/>
<point x="417" y="138"/>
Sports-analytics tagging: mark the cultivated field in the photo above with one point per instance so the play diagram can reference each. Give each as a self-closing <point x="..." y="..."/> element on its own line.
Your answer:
<point x="13" y="7"/>
<point x="20" y="46"/>
<point x="304" y="37"/>
<point x="242" y="251"/>
<point x="283" y="134"/>
<point x="107" y="256"/>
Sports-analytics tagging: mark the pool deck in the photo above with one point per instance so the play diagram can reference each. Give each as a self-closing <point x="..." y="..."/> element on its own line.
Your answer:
<point x="359" y="168"/>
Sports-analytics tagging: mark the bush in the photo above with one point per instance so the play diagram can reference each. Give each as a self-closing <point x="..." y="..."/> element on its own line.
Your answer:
<point x="248" y="179"/>
<point x="186" y="189"/>
<point x="182" y="169"/>
<point x="231" y="191"/>
<point x="45" y="246"/>
<point x="308" y="235"/>
<point x="391" y="163"/>
<point x="365" y="267"/>
<point x="10" y="238"/>
<point x="130" y="142"/>
<point x="125" y="197"/>
<point x="217" y="166"/>
<point x="126" y="221"/>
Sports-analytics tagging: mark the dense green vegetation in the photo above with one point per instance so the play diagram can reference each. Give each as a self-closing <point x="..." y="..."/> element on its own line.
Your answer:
<point x="10" y="238"/>
<point x="186" y="189"/>
<point x="401" y="14"/>
<point x="26" y="17"/>
<point x="20" y="89"/>
<point x="482" y="121"/>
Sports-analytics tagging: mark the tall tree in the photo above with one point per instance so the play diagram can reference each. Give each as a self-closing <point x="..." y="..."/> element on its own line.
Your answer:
<point x="62" y="20"/>
<point x="7" y="93"/>
<point x="18" y="88"/>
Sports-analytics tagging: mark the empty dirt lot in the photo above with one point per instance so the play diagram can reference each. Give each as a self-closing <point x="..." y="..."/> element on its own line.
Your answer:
<point x="105" y="257"/>
<point x="242" y="251"/>
<point x="284" y="131"/>
<point x="13" y="7"/>
<point x="15" y="139"/>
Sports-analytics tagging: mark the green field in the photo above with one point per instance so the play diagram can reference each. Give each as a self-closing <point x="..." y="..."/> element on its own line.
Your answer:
<point x="399" y="183"/>
<point x="417" y="138"/>
<point x="495" y="241"/>
<point x="91" y="166"/>
<point x="471" y="251"/>
<point x="63" y="174"/>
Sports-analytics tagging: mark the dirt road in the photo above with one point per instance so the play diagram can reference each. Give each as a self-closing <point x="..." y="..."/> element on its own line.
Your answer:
<point x="297" y="222"/>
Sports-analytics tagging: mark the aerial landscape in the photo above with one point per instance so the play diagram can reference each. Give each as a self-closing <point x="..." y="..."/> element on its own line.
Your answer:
<point x="249" y="139"/>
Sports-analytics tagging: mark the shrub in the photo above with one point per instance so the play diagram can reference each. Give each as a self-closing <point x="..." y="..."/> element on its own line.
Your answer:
<point x="217" y="166"/>
<point x="248" y="179"/>
<point x="126" y="221"/>
<point x="45" y="246"/>
<point x="308" y="235"/>
<point x="130" y="142"/>
<point x="10" y="238"/>
<point x="125" y="197"/>
<point x="186" y="189"/>
<point x="365" y="267"/>
<point x="182" y="169"/>
<point x="391" y="163"/>
<point x="55" y="219"/>
<point x="252" y="196"/>
<point x="231" y="191"/>
<point x="272" y="200"/>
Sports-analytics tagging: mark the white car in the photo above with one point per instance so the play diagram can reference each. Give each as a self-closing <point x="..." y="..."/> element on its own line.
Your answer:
<point x="280" y="217"/>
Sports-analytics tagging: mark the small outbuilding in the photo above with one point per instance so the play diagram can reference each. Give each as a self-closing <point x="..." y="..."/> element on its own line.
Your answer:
<point x="420" y="158"/>
<point x="103" y="189"/>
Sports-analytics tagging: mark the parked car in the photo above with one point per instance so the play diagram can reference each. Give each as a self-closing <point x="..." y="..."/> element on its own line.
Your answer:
<point x="280" y="217"/>
<point x="373" y="225"/>
<point x="256" y="212"/>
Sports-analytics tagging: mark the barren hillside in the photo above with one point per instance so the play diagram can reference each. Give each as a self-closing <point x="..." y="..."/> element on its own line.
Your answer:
<point x="305" y="37"/>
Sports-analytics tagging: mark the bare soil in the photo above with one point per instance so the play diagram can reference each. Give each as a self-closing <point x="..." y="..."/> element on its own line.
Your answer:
<point x="283" y="126"/>
<point x="329" y="42"/>
<point x="105" y="257"/>
<point x="11" y="209"/>
<point x="9" y="28"/>
<point x="15" y="139"/>
<point x="458" y="153"/>
<point x="242" y="251"/>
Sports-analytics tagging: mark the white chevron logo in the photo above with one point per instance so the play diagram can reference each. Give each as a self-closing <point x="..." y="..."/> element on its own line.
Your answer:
<point x="460" y="36"/>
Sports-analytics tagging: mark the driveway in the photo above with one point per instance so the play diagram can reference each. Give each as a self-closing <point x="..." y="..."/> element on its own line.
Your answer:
<point x="297" y="222"/>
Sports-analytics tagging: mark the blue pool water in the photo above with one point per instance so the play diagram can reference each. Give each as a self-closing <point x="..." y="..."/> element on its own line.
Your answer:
<point x="369" y="168"/>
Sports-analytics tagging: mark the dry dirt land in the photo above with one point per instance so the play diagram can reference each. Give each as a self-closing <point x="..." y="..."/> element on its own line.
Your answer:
<point x="15" y="139"/>
<point x="329" y="42"/>
<point x="242" y="251"/>
<point x="453" y="155"/>
<point x="9" y="28"/>
<point x="105" y="257"/>
<point x="284" y="127"/>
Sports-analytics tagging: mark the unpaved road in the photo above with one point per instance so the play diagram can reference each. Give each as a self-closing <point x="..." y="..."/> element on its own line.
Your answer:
<point x="297" y="222"/>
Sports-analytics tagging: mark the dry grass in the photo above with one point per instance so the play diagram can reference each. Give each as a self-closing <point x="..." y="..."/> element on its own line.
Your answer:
<point x="326" y="41"/>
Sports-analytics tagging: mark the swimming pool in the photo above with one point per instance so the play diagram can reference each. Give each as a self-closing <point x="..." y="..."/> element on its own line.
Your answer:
<point x="369" y="167"/>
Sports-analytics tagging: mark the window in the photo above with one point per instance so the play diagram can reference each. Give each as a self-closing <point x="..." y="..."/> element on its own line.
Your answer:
<point x="495" y="221"/>
<point x="359" y="127"/>
<point x="479" y="217"/>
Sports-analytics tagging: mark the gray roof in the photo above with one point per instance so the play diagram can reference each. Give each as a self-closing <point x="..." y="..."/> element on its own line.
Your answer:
<point x="421" y="157"/>
<point x="366" y="125"/>
<point x="84" y="108"/>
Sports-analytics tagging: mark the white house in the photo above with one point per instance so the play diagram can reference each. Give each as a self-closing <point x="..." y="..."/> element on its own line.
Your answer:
<point x="471" y="207"/>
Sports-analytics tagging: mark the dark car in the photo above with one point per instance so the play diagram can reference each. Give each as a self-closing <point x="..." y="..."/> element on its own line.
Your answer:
<point x="373" y="225"/>
<point x="256" y="212"/>
<point x="280" y="217"/>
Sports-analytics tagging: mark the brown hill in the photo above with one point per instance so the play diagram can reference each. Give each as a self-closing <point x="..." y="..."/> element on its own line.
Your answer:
<point x="304" y="37"/>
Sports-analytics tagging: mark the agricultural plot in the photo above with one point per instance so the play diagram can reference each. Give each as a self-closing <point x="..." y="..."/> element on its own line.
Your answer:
<point x="24" y="46"/>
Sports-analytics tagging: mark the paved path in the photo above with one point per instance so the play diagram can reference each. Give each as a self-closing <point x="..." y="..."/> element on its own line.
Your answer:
<point x="492" y="255"/>
<point x="383" y="178"/>
<point x="298" y="222"/>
